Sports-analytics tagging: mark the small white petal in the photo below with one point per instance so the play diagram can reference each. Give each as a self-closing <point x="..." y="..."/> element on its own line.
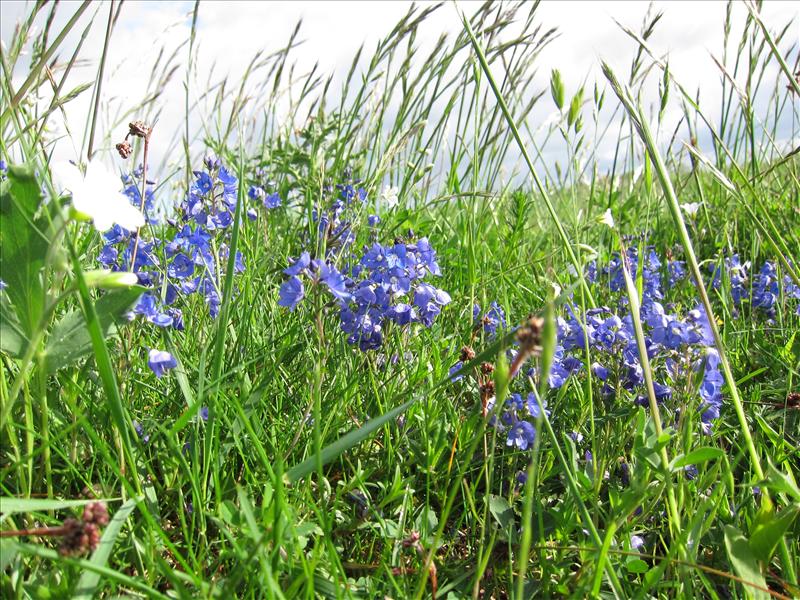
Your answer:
<point x="691" y="208"/>
<point x="607" y="218"/>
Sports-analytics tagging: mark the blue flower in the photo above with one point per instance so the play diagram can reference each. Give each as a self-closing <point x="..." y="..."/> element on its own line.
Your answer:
<point x="181" y="267"/>
<point x="272" y="201"/>
<point x="335" y="281"/>
<point x="299" y="265"/>
<point x="373" y="220"/>
<point x="534" y="408"/>
<point x="521" y="434"/>
<point x="291" y="293"/>
<point x="160" y="361"/>
<point x="494" y="318"/>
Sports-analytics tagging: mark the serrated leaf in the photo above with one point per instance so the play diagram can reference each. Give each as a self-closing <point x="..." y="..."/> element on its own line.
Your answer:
<point x="70" y="341"/>
<point x="744" y="563"/>
<point x="766" y="536"/>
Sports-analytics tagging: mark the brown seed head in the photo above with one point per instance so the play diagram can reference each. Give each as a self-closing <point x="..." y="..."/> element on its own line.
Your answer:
<point x="529" y="336"/>
<point x="139" y="129"/>
<point x="487" y="368"/>
<point x="793" y="400"/>
<point x="467" y="354"/>
<point x="124" y="149"/>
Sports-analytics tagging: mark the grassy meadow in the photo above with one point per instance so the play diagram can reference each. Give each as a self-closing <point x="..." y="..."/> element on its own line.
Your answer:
<point x="359" y="335"/>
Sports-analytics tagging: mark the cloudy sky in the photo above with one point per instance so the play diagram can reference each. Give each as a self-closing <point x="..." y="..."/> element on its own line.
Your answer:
<point x="230" y="33"/>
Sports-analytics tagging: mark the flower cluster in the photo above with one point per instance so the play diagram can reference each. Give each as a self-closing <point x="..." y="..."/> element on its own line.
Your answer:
<point x="184" y="255"/>
<point x="678" y="341"/>
<point x="384" y="284"/>
<point x="335" y="221"/>
<point x="765" y="290"/>
<point x="263" y="192"/>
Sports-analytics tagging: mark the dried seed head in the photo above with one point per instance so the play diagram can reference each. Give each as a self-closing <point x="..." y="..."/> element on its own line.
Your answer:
<point x="793" y="400"/>
<point x="125" y="150"/>
<point x="467" y="354"/>
<point x="529" y="336"/>
<point x="487" y="389"/>
<point x="139" y="129"/>
<point x="487" y="368"/>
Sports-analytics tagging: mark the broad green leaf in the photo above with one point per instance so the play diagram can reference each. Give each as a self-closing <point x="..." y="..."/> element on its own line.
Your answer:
<point x="503" y="513"/>
<point x="636" y="565"/>
<point x="23" y="246"/>
<point x="696" y="457"/>
<point x="13" y="340"/>
<point x="10" y="506"/>
<point x="87" y="584"/>
<point x="780" y="482"/>
<point x="766" y="536"/>
<point x="8" y="552"/>
<point x="70" y="341"/>
<point x="744" y="564"/>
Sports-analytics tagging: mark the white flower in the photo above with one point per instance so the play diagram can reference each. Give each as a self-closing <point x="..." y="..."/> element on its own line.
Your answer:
<point x="607" y="218"/>
<point x="97" y="195"/>
<point x="691" y="208"/>
<point x="389" y="196"/>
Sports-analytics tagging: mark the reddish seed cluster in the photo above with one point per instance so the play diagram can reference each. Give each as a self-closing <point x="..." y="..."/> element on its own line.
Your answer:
<point x="84" y="535"/>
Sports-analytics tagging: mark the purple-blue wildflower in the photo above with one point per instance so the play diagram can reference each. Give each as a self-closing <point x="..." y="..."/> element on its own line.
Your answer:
<point x="160" y="361"/>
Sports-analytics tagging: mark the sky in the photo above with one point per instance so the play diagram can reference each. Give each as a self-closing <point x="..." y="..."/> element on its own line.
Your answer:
<point x="230" y="33"/>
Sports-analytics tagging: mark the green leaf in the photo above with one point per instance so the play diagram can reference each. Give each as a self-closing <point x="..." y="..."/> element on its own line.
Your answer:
<point x="23" y="246"/>
<point x="70" y="341"/>
<point x="503" y="513"/>
<point x="744" y="563"/>
<point x="346" y="442"/>
<point x="766" y="536"/>
<point x="780" y="482"/>
<point x="696" y="457"/>
<point x="87" y="584"/>
<point x="13" y="340"/>
<point x="10" y="506"/>
<point x="8" y="552"/>
<point x="636" y="565"/>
